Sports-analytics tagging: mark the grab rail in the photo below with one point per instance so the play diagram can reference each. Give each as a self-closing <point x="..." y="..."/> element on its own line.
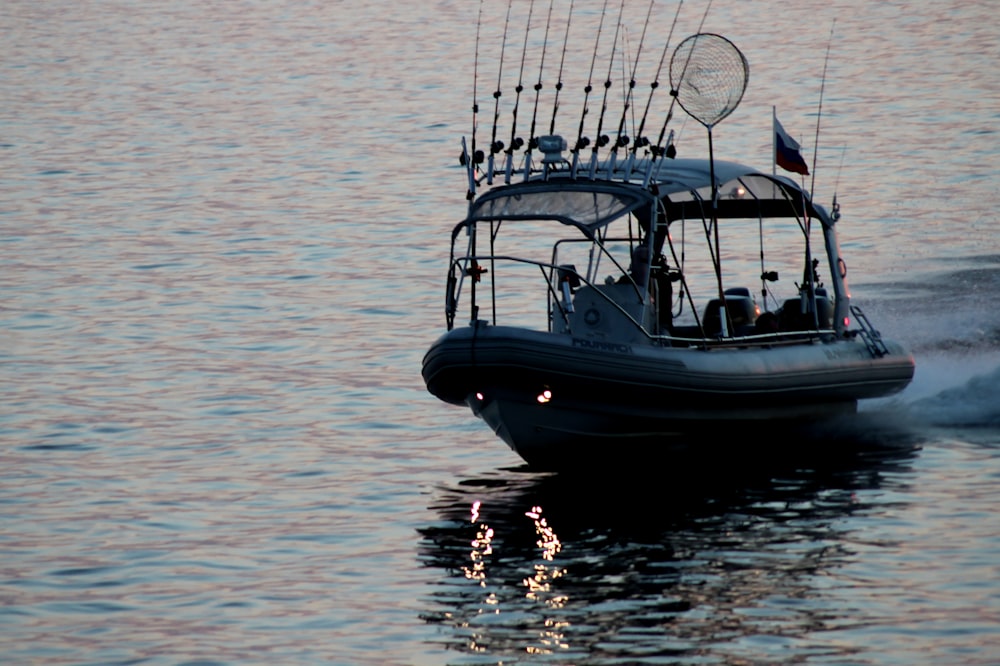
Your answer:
<point x="871" y="337"/>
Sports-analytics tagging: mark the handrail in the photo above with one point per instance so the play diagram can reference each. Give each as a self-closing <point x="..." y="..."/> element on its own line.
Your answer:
<point x="770" y="339"/>
<point x="452" y="298"/>
<point x="871" y="337"/>
<point x="778" y="339"/>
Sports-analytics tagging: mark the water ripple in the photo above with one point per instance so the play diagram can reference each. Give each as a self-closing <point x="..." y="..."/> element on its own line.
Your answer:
<point x="224" y="229"/>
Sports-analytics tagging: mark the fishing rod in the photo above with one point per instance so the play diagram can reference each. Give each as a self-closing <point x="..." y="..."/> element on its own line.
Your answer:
<point x="581" y="141"/>
<point x="562" y="61"/>
<point x="819" y="112"/>
<point x="515" y="141"/>
<point x="532" y="139"/>
<point x="468" y="161"/>
<point x="669" y="151"/>
<point x="497" y="146"/>
<point x="640" y="140"/>
<point x="622" y="139"/>
<point x="602" y="139"/>
<point x="810" y="279"/>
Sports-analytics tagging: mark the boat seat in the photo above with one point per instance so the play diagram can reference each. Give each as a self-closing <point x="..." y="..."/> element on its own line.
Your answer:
<point x="792" y="318"/>
<point x="742" y="314"/>
<point x="738" y="291"/>
<point x="594" y="316"/>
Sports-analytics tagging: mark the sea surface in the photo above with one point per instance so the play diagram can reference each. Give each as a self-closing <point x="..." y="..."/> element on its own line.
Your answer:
<point x="223" y="243"/>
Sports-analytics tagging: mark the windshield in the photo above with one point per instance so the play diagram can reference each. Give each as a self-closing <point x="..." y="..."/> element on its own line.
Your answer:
<point x="587" y="205"/>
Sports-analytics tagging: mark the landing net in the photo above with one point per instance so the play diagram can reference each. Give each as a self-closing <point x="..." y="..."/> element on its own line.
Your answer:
<point x="709" y="76"/>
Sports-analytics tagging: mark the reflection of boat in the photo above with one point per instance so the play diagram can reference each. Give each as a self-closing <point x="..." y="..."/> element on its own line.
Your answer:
<point x="592" y="322"/>
<point x="696" y="562"/>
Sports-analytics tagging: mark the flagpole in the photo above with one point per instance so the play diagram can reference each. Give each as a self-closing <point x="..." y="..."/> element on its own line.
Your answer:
<point x="774" y="141"/>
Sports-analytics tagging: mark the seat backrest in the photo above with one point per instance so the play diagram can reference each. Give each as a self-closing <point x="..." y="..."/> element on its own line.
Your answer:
<point x="741" y="313"/>
<point x="594" y="316"/>
<point x="792" y="318"/>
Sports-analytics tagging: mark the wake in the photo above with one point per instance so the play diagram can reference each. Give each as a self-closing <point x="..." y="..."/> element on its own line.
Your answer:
<point x="975" y="401"/>
<point x="950" y="391"/>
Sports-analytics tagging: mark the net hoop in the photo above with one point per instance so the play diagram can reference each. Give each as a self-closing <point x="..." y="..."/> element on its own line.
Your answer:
<point x="708" y="76"/>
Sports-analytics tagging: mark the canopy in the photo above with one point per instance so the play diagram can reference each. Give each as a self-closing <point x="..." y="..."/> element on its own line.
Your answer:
<point x="743" y="193"/>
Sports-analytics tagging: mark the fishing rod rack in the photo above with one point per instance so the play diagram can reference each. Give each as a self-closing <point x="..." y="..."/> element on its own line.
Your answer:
<point x="502" y="159"/>
<point x="553" y="160"/>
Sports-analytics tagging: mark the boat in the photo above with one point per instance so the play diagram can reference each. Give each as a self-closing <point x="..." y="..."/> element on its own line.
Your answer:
<point x="637" y="302"/>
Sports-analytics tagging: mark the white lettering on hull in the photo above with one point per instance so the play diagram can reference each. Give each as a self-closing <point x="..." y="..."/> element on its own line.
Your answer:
<point x="600" y="345"/>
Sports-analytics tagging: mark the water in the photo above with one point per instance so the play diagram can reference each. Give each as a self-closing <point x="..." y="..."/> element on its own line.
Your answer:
<point x="224" y="233"/>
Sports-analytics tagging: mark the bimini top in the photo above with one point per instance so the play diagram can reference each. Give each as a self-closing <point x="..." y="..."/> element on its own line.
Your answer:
<point x="683" y="187"/>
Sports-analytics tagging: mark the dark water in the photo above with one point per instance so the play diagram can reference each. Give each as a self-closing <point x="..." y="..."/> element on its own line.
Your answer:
<point x="224" y="235"/>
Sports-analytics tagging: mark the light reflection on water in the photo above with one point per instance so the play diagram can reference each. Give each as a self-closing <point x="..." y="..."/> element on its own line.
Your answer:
<point x="745" y="561"/>
<point x="807" y="555"/>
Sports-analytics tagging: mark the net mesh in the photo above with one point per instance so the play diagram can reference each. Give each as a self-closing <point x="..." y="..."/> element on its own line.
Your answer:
<point x="709" y="76"/>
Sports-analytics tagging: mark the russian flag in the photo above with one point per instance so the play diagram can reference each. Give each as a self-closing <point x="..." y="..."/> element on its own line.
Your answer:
<point x="786" y="151"/>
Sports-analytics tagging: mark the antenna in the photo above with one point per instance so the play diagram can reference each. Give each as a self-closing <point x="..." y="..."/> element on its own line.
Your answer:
<point x="516" y="141"/>
<point x="497" y="146"/>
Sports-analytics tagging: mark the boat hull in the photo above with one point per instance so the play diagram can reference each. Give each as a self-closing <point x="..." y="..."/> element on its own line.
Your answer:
<point x="555" y="398"/>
